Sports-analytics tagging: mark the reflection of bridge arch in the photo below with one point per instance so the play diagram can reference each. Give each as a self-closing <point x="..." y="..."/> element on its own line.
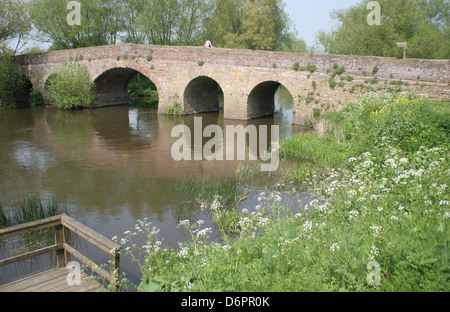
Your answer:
<point x="261" y="100"/>
<point x="112" y="86"/>
<point x="202" y="95"/>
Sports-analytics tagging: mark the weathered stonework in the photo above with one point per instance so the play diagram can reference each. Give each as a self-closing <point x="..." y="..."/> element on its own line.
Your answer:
<point x="247" y="78"/>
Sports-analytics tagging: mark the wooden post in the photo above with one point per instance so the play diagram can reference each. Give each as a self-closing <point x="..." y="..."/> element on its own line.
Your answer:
<point x="60" y="253"/>
<point x="403" y="45"/>
<point x="115" y="271"/>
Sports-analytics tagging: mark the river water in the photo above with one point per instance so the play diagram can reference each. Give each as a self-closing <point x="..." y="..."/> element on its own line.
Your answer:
<point x="110" y="166"/>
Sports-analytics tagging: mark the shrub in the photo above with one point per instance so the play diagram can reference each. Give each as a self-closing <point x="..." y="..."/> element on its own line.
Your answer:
<point x="70" y="87"/>
<point x="311" y="68"/>
<point x="11" y="81"/>
<point x="201" y="63"/>
<point x="175" y="110"/>
<point x="339" y="71"/>
<point x="296" y="66"/>
<point x="375" y="70"/>
<point x="316" y="113"/>
<point x="309" y="99"/>
<point x="332" y="83"/>
<point x="36" y="98"/>
<point x="149" y="58"/>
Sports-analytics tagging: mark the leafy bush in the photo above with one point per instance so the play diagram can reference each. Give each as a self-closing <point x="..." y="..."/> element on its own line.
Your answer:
<point x="69" y="87"/>
<point x="339" y="71"/>
<point x="175" y="110"/>
<point x="11" y="81"/>
<point x="36" y="98"/>
<point x="332" y="83"/>
<point x="311" y="68"/>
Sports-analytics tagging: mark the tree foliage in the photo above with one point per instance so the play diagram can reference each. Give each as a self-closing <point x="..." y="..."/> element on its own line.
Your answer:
<point x="11" y="80"/>
<point x="252" y="24"/>
<point x="98" y="23"/>
<point x="15" y="21"/>
<point x="424" y="24"/>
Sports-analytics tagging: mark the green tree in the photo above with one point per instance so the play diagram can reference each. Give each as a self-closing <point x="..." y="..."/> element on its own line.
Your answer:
<point x="11" y="80"/>
<point x="173" y="22"/>
<point x="70" y="87"/>
<point x="99" y="24"/>
<point x="419" y="22"/>
<point x="252" y="24"/>
<point x="14" y="21"/>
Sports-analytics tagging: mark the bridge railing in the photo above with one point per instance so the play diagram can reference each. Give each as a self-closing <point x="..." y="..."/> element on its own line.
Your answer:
<point x="63" y="226"/>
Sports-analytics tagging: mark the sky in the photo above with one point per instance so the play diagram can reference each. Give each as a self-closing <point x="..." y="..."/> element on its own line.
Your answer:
<point x="310" y="16"/>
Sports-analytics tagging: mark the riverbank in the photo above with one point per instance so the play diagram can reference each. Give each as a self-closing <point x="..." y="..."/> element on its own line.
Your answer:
<point x="379" y="221"/>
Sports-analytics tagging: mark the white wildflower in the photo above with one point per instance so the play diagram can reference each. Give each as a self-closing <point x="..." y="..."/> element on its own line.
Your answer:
<point x="307" y="225"/>
<point x="334" y="247"/>
<point x="374" y="252"/>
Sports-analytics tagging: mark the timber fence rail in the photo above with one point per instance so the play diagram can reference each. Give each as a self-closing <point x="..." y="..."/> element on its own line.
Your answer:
<point x="63" y="226"/>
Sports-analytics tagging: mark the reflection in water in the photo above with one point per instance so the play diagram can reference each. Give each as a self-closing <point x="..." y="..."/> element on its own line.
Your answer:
<point x="112" y="166"/>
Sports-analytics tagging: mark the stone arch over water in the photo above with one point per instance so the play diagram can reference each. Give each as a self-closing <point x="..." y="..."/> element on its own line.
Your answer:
<point x="203" y="95"/>
<point x="112" y="86"/>
<point x="262" y="99"/>
<point x="22" y="95"/>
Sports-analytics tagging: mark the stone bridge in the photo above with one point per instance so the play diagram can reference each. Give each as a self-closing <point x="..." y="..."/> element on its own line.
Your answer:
<point x="248" y="80"/>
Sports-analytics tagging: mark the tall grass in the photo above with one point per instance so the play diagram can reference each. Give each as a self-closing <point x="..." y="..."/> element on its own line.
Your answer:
<point x="30" y="209"/>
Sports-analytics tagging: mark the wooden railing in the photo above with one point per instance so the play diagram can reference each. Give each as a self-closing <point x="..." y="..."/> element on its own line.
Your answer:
<point x="62" y="226"/>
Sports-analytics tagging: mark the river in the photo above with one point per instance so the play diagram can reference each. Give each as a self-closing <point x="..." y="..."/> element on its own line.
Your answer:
<point x="110" y="166"/>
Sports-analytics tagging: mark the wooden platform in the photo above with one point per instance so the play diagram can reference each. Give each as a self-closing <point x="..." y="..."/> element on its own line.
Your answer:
<point x="53" y="280"/>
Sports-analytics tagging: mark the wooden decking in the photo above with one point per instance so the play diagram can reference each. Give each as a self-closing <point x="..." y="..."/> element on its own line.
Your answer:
<point x="53" y="280"/>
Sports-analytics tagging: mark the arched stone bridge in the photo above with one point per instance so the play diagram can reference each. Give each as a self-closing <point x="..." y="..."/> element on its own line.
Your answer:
<point x="194" y="77"/>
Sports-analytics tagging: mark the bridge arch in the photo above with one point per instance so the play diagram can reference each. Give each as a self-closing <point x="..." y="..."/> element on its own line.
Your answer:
<point x="22" y="95"/>
<point x="262" y="98"/>
<point x="112" y="86"/>
<point x="203" y="95"/>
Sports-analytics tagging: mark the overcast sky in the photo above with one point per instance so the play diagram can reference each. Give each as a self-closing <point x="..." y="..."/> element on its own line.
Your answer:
<point x="310" y="16"/>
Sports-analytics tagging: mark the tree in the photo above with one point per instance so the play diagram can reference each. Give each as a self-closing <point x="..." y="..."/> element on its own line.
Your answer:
<point x="14" y="21"/>
<point x="98" y="23"/>
<point x="11" y="80"/>
<point x="252" y="24"/>
<point x="257" y="31"/>
<point x="419" y="22"/>
<point x="173" y="22"/>
<point x="69" y="87"/>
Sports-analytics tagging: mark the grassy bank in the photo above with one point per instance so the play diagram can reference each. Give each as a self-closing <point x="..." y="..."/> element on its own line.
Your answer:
<point x="380" y="220"/>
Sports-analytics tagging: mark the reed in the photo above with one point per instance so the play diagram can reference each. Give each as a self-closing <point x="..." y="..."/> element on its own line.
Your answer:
<point x="30" y="209"/>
